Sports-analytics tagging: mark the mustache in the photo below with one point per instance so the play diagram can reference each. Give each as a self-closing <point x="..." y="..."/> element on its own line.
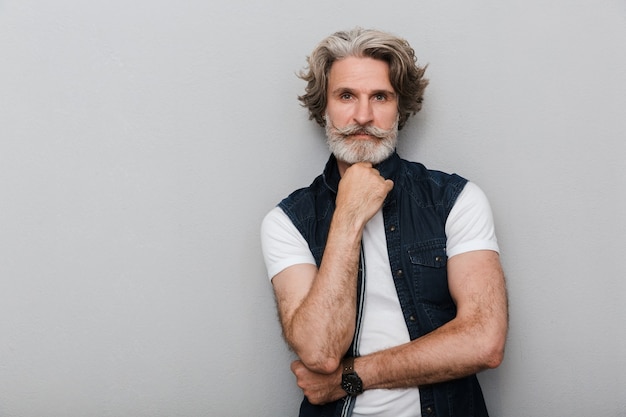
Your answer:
<point x="356" y="129"/>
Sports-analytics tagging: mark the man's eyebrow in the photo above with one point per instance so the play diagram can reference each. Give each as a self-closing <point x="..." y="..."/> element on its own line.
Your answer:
<point x="386" y="92"/>
<point x="340" y="90"/>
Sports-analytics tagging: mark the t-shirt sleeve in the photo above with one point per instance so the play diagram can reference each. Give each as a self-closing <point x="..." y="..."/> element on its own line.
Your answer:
<point x="282" y="244"/>
<point x="470" y="223"/>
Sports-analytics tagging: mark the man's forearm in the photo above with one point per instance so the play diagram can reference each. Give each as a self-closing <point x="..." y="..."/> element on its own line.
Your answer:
<point x="318" y="310"/>
<point x="322" y="327"/>
<point x="450" y="352"/>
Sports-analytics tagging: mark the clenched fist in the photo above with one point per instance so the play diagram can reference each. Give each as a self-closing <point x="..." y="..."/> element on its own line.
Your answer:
<point x="362" y="192"/>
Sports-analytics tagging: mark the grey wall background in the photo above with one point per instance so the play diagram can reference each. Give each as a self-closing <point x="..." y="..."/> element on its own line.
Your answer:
<point x="142" y="142"/>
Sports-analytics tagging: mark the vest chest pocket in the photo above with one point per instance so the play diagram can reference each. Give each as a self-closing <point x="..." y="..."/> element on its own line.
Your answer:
<point x="430" y="279"/>
<point x="429" y="257"/>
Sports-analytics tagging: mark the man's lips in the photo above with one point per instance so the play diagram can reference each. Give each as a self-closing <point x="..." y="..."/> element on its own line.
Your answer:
<point x="360" y="134"/>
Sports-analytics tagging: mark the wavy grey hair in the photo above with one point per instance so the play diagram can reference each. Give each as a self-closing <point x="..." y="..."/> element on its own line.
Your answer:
<point x="406" y="77"/>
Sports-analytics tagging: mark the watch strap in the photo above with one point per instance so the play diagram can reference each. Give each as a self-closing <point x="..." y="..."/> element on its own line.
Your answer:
<point x="350" y="380"/>
<point x="348" y="365"/>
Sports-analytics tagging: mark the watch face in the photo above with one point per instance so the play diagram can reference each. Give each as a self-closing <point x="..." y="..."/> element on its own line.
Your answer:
<point x="351" y="383"/>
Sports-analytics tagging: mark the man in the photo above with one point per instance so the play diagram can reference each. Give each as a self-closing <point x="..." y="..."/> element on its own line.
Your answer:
<point x="387" y="275"/>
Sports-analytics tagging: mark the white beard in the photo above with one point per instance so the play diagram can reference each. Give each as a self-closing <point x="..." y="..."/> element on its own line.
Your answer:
<point x="373" y="150"/>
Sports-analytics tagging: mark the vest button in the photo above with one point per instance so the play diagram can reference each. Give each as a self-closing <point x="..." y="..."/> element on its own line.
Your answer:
<point x="399" y="273"/>
<point x="412" y="318"/>
<point x="392" y="229"/>
<point x="429" y="410"/>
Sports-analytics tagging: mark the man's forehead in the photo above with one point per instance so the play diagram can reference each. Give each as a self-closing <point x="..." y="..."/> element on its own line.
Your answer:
<point x="359" y="72"/>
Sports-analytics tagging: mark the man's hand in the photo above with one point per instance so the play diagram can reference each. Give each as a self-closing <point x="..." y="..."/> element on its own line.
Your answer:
<point x="362" y="192"/>
<point x="318" y="388"/>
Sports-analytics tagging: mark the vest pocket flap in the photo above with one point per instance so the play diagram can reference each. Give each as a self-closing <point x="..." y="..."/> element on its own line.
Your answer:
<point x="430" y="256"/>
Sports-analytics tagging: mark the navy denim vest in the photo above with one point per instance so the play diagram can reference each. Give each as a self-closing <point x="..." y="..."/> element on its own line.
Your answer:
<point x="415" y="214"/>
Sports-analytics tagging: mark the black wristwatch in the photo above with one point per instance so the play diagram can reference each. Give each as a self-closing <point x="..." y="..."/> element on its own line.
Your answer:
<point x="350" y="380"/>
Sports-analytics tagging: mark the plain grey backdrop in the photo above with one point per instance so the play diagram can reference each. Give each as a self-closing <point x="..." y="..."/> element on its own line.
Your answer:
<point x="142" y="142"/>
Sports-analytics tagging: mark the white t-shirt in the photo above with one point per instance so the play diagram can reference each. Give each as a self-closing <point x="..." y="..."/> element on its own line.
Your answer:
<point x="469" y="227"/>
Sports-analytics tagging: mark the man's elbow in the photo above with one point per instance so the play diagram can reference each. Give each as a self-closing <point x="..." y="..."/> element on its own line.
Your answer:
<point x="314" y="357"/>
<point x="493" y="353"/>
<point x="494" y="358"/>
<point x="321" y="364"/>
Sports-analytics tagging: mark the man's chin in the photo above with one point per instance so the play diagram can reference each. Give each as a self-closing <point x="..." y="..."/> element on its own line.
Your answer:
<point x="351" y="158"/>
<point x="361" y="148"/>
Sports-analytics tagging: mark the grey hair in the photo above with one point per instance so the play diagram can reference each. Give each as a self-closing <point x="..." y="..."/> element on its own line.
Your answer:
<point x="406" y="77"/>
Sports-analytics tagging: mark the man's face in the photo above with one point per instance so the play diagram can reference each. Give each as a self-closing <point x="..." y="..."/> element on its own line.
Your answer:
<point x="362" y="111"/>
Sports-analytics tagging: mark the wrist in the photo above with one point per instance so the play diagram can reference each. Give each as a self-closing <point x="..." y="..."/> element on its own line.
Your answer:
<point x="350" y="381"/>
<point x="348" y="224"/>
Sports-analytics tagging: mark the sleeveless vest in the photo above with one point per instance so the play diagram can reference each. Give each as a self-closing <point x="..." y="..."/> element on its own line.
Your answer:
<point x="415" y="214"/>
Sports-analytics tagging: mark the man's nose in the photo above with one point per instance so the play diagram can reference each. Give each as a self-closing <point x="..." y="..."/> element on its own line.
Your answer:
<point x="363" y="113"/>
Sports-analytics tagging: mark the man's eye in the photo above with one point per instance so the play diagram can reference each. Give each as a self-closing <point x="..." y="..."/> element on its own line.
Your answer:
<point x="380" y="97"/>
<point x="346" y="96"/>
